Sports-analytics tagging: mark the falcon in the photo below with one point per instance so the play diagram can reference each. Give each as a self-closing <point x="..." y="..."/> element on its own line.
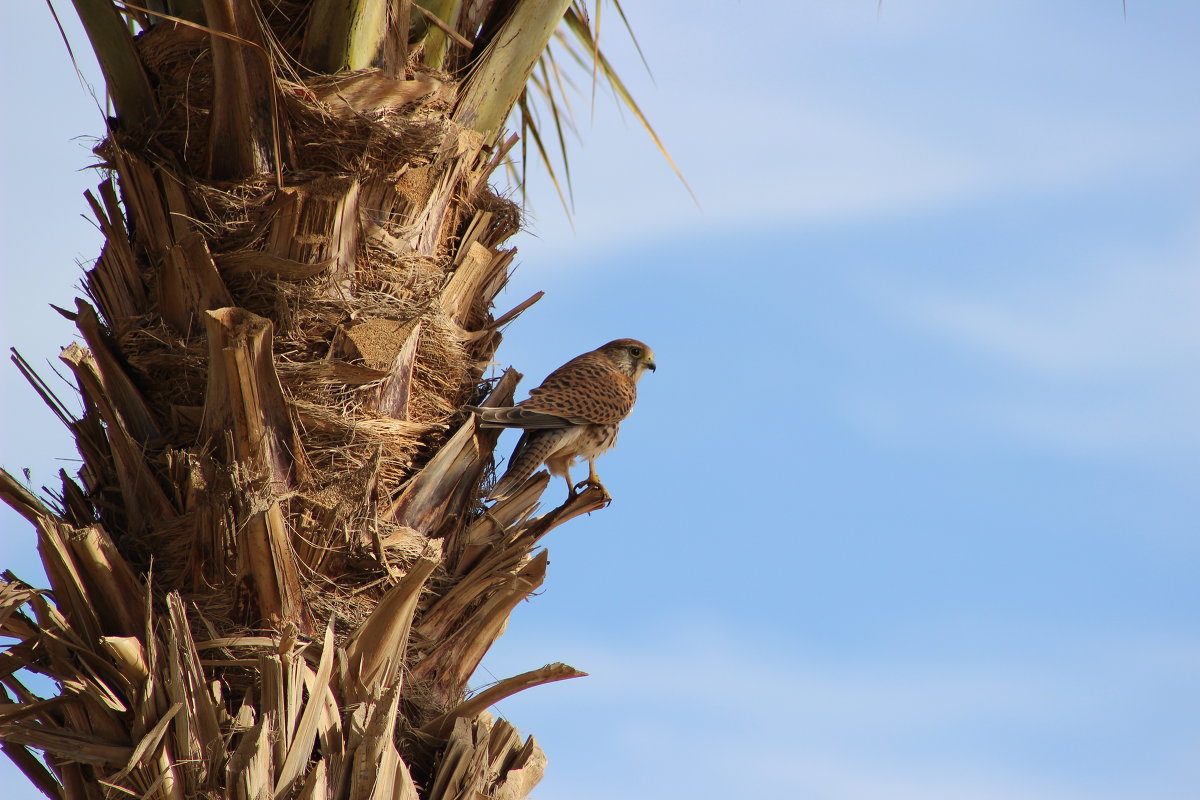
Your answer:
<point x="573" y="414"/>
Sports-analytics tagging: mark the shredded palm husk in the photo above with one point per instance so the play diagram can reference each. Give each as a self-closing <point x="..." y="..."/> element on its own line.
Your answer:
<point x="273" y="575"/>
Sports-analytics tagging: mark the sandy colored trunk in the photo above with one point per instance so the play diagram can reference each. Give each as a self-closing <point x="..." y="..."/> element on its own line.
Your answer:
<point x="273" y="576"/>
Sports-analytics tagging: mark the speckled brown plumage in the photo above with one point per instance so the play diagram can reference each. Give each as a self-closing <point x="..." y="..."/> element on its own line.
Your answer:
<point x="575" y="413"/>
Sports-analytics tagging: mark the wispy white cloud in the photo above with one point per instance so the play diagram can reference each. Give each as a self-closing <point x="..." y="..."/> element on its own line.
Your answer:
<point x="1091" y="357"/>
<point x="814" y="161"/>
<point x="1118" y="316"/>
<point x="708" y="712"/>
<point x="930" y="108"/>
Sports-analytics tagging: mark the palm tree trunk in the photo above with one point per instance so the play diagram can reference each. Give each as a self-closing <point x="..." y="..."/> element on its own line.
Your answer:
<point x="273" y="576"/>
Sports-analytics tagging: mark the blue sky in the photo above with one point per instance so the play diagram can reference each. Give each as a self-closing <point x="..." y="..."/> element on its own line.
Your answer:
<point x="909" y="508"/>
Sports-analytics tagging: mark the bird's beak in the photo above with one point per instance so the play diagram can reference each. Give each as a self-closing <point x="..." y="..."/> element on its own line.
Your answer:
<point x="650" y="365"/>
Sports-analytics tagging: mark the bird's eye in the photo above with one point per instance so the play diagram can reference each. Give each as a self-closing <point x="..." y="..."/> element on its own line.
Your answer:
<point x="636" y="352"/>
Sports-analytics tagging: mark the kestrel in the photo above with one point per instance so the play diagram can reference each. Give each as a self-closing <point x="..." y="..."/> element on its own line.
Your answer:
<point x="573" y="414"/>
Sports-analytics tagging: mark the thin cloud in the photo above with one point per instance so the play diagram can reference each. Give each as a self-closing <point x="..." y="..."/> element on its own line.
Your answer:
<point x="1091" y="358"/>
<point x="1115" y="319"/>
<point x="773" y="722"/>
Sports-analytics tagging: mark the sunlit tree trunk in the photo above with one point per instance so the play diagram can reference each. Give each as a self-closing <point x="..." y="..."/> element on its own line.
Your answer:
<point x="273" y="576"/>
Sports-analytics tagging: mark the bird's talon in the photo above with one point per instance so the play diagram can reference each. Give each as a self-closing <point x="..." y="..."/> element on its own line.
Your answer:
<point x="588" y="485"/>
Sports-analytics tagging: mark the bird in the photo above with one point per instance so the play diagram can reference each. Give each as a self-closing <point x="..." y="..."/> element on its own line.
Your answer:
<point x="574" y="413"/>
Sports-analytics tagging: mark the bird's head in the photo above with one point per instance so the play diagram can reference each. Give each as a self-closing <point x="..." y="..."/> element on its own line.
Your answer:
<point x="633" y="357"/>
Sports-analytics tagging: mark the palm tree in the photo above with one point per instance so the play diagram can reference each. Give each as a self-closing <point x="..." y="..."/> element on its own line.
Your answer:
<point x="273" y="575"/>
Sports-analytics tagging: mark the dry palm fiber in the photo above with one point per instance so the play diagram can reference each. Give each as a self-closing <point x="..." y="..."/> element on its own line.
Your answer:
<point x="273" y="575"/>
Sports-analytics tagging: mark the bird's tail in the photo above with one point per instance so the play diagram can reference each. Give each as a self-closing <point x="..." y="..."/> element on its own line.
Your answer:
<point x="527" y="456"/>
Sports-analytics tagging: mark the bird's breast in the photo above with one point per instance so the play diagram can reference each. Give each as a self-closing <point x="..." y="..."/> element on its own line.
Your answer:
<point x="586" y="441"/>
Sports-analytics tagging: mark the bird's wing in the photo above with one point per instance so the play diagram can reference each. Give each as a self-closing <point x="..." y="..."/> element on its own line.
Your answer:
<point x="587" y="389"/>
<point x="519" y="417"/>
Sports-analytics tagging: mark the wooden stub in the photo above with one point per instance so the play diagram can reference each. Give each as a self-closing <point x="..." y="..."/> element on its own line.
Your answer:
<point x="149" y="216"/>
<point x="450" y="665"/>
<point x="145" y="501"/>
<point x="246" y="127"/>
<point x="189" y="284"/>
<point x="463" y="289"/>
<point x="117" y="387"/>
<point x="431" y="221"/>
<point x="244" y="396"/>
<point x="375" y="651"/>
<point x="480" y="703"/>
<point x="396" y="389"/>
<point x="115" y="282"/>
<point x="244" y="404"/>
<point x="486" y="758"/>
<point x="422" y="503"/>
<point x="115" y="591"/>
<point x="318" y="223"/>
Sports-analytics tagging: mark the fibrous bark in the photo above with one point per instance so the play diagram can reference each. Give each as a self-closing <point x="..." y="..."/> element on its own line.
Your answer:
<point x="273" y="575"/>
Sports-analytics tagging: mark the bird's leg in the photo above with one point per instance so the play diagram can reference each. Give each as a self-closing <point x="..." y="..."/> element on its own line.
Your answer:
<point x="592" y="481"/>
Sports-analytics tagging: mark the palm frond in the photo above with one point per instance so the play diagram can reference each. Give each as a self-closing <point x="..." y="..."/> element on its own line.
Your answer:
<point x="577" y="25"/>
<point x="554" y="95"/>
<point x="113" y="44"/>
